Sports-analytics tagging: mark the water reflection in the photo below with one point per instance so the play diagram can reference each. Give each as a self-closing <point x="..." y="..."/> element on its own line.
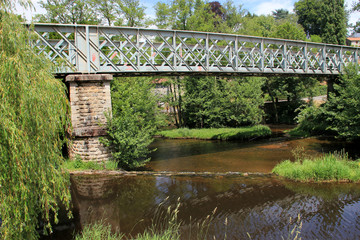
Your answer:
<point x="260" y="206"/>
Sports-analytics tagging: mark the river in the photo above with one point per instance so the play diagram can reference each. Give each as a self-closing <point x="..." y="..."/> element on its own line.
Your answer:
<point x="253" y="206"/>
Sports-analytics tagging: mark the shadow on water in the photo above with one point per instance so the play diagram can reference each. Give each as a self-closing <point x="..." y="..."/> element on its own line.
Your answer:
<point x="260" y="206"/>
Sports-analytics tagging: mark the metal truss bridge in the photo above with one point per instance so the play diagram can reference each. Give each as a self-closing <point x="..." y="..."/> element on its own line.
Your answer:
<point x="124" y="51"/>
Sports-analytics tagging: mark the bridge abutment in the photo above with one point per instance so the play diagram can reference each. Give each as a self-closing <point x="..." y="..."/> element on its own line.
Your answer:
<point x="90" y="101"/>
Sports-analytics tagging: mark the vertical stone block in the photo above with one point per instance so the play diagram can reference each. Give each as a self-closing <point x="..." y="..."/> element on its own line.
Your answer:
<point x="90" y="101"/>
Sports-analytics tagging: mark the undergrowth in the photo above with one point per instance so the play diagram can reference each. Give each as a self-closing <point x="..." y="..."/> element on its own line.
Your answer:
<point x="80" y="165"/>
<point x="327" y="167"/>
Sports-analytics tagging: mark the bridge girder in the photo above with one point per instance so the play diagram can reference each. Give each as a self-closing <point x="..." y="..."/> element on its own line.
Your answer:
<point x="124" y="51"/>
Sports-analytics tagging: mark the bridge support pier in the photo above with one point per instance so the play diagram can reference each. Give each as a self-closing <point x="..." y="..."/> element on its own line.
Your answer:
<point x="90" y="100"/>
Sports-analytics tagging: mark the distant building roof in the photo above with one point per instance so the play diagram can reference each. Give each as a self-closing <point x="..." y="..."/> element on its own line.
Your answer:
<point x="354" y="36"/>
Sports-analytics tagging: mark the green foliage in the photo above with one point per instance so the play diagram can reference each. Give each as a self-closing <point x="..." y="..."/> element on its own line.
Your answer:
<point x="280" y="14"/>
<point x="105" y="9"/>
<point x="98" y="231"/>
<point x="340" y="115"/>
<point x="9" y="5"/>
<point x="243" y="133"/>
<point x="324" y="18"/>
<point x="33" y="118"/>
<point x="262" y="26"/>
<point x="133" y="12"/>
<point x="68" y="11"/>
<point x="292" y="89"/>
<point x="79" y="165"/>
<point x="334" y="167"/>
<point x="112" y="12"/>
<point x="212" y="103"/>
<point x="288" y="30"/>
<point x="133" y="122"/>
<point x="198" y="15"/>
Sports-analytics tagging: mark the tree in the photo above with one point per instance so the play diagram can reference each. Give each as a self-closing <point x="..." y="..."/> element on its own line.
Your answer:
<point x="163" y="15"/>
<point x="288" y="30"/>
<point x="68" y="11"/>
<point x="214" y="102"/>
<point x="34" y="115"/>
<point x="262" y="26"/>
<point x="280" y="14"/>
<point x="324" y="18"/>
<point x="233" y="15"/>
<point x="9" y="5"/>
<point x="132" y="11"/>
<point x="134" y="120"/>
<point x="106" y="9"/>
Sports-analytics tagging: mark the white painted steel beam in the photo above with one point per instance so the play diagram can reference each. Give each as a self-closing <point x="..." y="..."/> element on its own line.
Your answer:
<point x="139" y="51"/>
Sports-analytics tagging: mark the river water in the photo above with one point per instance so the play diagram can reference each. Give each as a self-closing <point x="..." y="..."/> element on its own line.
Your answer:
<point x="247" y="207"/>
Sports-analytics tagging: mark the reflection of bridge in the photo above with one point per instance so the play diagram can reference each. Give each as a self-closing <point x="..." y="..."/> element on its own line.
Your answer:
<point x="89" y="56"/>
<point x="130" y="51"/>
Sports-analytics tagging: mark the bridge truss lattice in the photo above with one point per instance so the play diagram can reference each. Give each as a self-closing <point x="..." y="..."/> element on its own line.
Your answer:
<point x="137" y="51"/>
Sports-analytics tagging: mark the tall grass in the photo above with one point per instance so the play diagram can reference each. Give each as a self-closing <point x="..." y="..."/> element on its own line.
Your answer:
<point x="98" y="231"/>
<point x="328" y="167"/>
<point x="80" y="165"/>
<point x="242" y="133"/>
<point x="166" y="226"/>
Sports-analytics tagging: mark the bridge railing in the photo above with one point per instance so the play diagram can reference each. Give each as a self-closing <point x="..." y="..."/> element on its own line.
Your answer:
<point x="132" y="51"/>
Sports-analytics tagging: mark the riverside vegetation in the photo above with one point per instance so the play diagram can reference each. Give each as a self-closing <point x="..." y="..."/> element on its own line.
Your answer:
<point x="243" y="133"/>
<point x="166" y="226"/>
<point x="34" y="107"/>
<point x="328" y="167"/>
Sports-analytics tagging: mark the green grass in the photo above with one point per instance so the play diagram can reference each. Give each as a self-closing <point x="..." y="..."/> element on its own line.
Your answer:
<point x="329" y="167"/>
<point x="79" y="165"/>
<point x="98" y="231"/>
<point x="242" y="133"/>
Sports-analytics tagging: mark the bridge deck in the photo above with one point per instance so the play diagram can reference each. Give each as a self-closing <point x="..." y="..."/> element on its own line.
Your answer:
<point x="136" y="51"/>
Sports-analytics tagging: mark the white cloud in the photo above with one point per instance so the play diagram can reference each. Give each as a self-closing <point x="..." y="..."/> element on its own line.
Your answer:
<point x="266" y="7"/>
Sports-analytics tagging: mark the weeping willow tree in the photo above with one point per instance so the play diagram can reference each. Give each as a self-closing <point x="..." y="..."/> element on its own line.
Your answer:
<point x="33" y="117"/>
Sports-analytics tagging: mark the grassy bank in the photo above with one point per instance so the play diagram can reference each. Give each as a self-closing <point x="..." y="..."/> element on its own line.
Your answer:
<point x="329" y="167"/>
<point x="243" y="133"/>
<point x="79" y="165"/>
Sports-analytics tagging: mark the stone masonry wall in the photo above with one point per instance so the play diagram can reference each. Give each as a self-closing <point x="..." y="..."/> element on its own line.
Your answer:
<point x="90" y="100"/>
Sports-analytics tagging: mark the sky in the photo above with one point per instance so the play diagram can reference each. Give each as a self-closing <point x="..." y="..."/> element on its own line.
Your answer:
<point x="253" y="6"/>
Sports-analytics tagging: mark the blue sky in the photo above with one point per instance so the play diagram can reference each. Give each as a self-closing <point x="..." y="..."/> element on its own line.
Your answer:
<point x="253" y="6"/>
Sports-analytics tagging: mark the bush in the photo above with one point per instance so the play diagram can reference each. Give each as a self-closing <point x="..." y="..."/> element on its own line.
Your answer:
<point x="134" y="119"/>
<point x="340" y="115"/>
<point x="334" y="167"/>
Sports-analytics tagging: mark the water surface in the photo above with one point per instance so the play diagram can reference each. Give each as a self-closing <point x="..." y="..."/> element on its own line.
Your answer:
<point x="263" y="207"/>
<point x="232" y="156"/>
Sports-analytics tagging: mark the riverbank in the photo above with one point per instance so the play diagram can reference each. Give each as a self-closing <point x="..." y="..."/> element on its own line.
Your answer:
<point x="242" y="133"/>
<point x="331" y="167"/>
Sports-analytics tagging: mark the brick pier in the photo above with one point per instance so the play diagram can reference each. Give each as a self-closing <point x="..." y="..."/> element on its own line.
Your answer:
<point x="90" y="100"/>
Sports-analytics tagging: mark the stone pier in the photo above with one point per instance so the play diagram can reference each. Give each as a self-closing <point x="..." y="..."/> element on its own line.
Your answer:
<point x="90" y="101"/>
